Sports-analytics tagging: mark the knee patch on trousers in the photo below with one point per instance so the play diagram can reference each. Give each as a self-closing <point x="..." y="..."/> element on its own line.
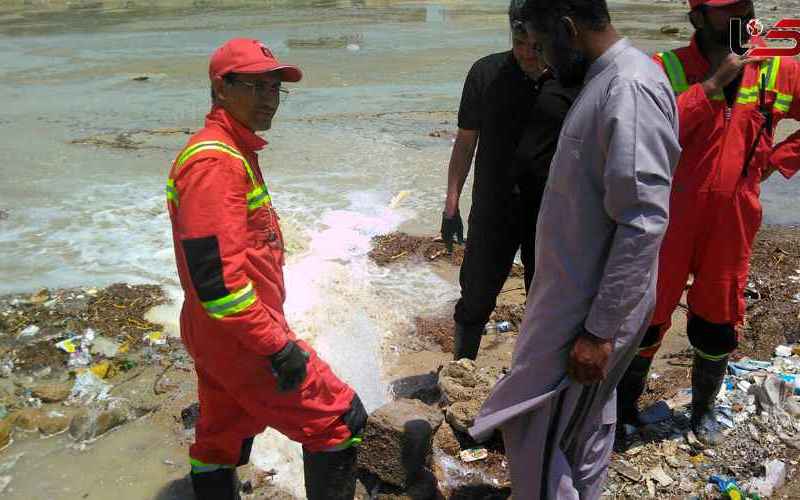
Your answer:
<point x="713" y="340"/>
<point x="652" y="341"/>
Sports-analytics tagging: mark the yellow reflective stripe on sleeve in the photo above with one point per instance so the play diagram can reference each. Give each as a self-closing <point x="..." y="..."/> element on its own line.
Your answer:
<point x="783" y="102"/>
<point x="674" y="69"/>
<point x="258" y="197"/>
<point x="172" y="192"/>
<point x="232" y="303"/>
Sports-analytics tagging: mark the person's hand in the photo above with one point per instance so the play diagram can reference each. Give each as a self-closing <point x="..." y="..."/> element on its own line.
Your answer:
<point x="589" y="358"/>
<point x="727" y="72"/>
<point x="289" y="366"/>
<point x="452" y="228"/>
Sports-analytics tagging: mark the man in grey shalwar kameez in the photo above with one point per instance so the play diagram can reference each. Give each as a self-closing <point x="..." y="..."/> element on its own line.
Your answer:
<point x="600" y="227"/>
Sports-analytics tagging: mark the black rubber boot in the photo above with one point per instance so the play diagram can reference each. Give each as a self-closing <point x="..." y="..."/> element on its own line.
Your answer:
<point x="467" y="341"/>
<point x="707" y="377"/>
<point x="330" y="475"/>
<point x="630" y="389"/>
<point x="221" y="484"/>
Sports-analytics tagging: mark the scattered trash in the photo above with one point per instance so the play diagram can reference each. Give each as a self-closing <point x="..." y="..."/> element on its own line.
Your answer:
<point x="88" y="387"/>
<point x="728" y="487"/>
<point x="503" y="327"/>
<point x="3" y="412"/>
<point x="670" y="30"/>
<point x="661" y="477"/>
<point x="353" y="47"/>
<point x="773" y="479"/>
<point x="783" y="351"/>
<point x="105" y="347"/>
<point x="155" y="338"/>
<point x="656" y="413"/>
<point x="29" y="331"/>
<point x="6" y="367"/>
<point x="103" y="369"/>
<point x="142" y="78"/>
<point x="474" y="454"/>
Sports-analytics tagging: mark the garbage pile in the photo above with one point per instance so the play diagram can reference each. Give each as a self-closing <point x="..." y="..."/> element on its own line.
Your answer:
<point x="759" y="408"/>
<point x="64" y="355"/>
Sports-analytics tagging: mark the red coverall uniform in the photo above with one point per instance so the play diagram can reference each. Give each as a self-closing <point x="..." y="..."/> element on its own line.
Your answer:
<point x="229" y="252"/>
<point x="715" y="210"/>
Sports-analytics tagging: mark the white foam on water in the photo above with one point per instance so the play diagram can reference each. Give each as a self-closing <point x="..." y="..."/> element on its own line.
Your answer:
<point x="338" y="301"/>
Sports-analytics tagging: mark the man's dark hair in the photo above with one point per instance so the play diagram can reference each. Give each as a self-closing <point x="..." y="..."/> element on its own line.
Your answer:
<point x="516" y="16"/>
<point x="544" y="14"/>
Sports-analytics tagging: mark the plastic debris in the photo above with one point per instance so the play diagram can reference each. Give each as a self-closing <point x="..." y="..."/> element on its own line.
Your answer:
<point x="103" y="369"/>
<point x="728" y="487"/>
<point x="29" y="331"/>
<point x="3" y="412"/>
<point x="774" y="479"/>
<point x="6" y="367"/>
<point x="783" y="351"/>
<point x="4" y="482"/>
<point x="656" y="413"/>
<point x="89" y="387"/>
<point x="155" y="338"/>
<point x="105" y="347"/>
<point x="503" y="327"/>
<point x="474" y="454"/>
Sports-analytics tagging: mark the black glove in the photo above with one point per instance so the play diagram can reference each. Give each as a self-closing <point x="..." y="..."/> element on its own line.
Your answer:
<point x="289" y="366"/>
<point x="451" y="227"/>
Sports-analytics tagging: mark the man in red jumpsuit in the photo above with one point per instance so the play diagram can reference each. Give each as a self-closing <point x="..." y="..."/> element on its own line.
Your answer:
<point x="729" y="106"/>
<point x="252" y="372"/>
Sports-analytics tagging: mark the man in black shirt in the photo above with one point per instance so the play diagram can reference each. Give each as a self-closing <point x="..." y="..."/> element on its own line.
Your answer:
<point x="512" y="109"/>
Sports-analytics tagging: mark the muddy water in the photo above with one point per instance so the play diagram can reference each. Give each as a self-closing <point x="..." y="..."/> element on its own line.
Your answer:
<point x="347" y="140"/>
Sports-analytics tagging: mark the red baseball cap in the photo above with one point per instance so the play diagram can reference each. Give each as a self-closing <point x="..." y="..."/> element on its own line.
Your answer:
<point x="245" y="55"/>
<point x="693" y="4"/>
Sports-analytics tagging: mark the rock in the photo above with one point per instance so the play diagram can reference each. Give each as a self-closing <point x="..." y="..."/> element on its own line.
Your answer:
<point x="40" y="297"/>
<point x="397" y="440"/>
<point x="423" y="487"/>
<point x="462" y="381"/>
<point x="627" y="471"/>
<point x="53" y="423"/>
<point x="6" y="431"/>
<point x="90" y="424"/>
<point x="445" y="440"/>
<point x="51" y="393"/>
<point x="461" y="415"/>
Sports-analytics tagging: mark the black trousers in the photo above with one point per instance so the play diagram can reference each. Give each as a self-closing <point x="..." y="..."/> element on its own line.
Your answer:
<point x="497" y="230"/>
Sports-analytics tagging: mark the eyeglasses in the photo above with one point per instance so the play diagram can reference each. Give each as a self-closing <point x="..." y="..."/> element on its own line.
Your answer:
<point x="262" y="89"/>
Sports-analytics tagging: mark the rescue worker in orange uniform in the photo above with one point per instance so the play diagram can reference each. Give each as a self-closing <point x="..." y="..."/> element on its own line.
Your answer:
<point x="252" y="372"/>
<point x="729" y="106"/>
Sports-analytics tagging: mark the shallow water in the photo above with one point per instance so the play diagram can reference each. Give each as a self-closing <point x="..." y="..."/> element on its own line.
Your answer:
<point x="347" y="139"/>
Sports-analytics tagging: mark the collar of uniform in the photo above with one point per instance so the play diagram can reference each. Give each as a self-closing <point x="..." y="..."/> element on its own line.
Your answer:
<point x="244" y="137"/>
<point x="606" y="59"/>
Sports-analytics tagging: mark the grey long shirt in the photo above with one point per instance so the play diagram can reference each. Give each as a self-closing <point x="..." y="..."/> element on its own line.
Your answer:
<point x="600" y="226"/>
